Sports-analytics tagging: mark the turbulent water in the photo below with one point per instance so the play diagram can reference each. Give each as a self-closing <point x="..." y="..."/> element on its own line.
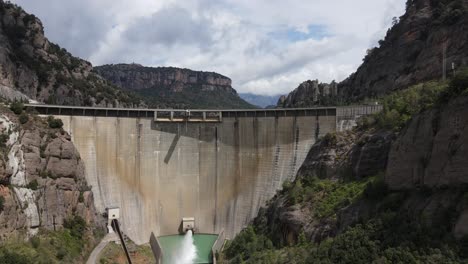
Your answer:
<point x="187" y="252"/>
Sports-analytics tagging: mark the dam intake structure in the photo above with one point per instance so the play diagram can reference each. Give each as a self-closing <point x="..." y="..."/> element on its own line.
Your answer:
<point x="220" y="172"/>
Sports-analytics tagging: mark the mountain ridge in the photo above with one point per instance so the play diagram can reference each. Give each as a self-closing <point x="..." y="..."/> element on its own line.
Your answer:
<point x="165" y="87"/>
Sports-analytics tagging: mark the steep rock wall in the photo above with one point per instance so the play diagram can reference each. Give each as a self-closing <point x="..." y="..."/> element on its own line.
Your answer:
<point x="221" y="174"/>
<point x="431" y="151"/>
<point x="42" y="179"/>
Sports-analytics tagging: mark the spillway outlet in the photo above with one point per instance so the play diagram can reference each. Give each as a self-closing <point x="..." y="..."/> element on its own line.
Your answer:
<point x="188" y="223"/>
<point x="112" y="213"/>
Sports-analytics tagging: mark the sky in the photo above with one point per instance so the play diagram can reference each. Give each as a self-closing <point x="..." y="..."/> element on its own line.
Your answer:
<point x="266" y="47"/>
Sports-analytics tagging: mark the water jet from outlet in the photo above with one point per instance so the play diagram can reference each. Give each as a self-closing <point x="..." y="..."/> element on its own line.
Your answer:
<point x="187" y="252"/>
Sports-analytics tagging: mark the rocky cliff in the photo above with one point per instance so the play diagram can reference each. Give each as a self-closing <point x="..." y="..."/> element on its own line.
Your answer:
<point x="174" y="87"/>
<point x="414" y="50"/>
<point x="34" y="68"/>
<point x="431" y="151"/>
<point x="310" y="93"/>
<point x="42" y="181"/>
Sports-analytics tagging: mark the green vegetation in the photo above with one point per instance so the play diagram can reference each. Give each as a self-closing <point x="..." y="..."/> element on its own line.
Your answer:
<point x="76" y="225"/>
<point x="400" y="106"/>
<point x="247" y="244"/>
<point x="458" y="86"/>
<point x="2" y="203"/>
<point x="391" y="235"/>
<point x="23" y="118"/>
<point x="81" y="198"/>
<point x="3" y="140"/>
<point x="33" y="185"/>
<point x="46" y="173"/>
<point x="17" y="107"/>
<point x="330" y="139"/>
<point x="35" y="241"/>
<point x="54" y="122"/>
<point x="63" y="246"/>
<point x="326" y="195"/>
<point x="447" y="12"/>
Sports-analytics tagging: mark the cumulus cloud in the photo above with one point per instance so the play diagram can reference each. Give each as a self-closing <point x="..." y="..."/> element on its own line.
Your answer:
<point x="169" y="26"/>
<point x="265" y="46"/>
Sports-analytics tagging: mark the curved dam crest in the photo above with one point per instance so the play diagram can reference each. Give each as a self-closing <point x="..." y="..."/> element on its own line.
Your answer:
<point x="220" y="173"/>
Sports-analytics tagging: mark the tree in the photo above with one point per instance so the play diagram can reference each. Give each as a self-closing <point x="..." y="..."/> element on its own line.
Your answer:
<point x="54" y="123"/>
<point x="17" y="107"/>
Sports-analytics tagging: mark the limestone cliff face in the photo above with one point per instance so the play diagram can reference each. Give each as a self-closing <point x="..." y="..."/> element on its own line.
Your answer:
<point x="34" y="68"/>
<point x="411" y="53"/>
<point x="42" y="179"/>
<point x="174" y="87"/>
<point x="138" y="77"/>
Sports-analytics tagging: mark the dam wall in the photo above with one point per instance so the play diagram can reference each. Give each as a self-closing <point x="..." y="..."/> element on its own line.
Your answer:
<point x="347" y="116"/>
<point x="220" y="173"/>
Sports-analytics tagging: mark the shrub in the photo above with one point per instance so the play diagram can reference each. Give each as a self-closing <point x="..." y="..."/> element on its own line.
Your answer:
<point x="23" y="118"/>
<point x="399" y="107"/>
<point x="54" y="122"/>
<point x="3" y="139"/>
<point x="330" y="139"/>
<point x="42" y="149"/>
<point x="61" y="253"/>
<point x="46" y="173"/>
<point x="35" y="241"/>
<point x="33" y="185"/>
<point x="76" y="225"/>
<point x="458" y="85"/>
<point x="376" y="189"/>
<point x="17" y="107"/>
<point x="2" y="203"/>
<point x="9" y="257"/>
<point x="81" y="198"/>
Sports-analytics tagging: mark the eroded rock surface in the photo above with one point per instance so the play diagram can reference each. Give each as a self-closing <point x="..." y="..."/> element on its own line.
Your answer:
<point x="43" y="181"/>
<point x="431" y="151"/>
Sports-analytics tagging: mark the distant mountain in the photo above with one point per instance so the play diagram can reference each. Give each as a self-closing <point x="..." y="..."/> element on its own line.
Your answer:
<point x="170" y="87"/>
<point x="260" y="100"/>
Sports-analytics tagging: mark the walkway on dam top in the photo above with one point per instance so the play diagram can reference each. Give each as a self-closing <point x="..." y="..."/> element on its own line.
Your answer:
<point x="201" y="115"/>
<point x="146" y="112"/>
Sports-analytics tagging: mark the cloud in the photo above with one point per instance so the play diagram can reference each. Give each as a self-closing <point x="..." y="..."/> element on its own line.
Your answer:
<point x="265" y="46"/>
<point x="170" y="26"/>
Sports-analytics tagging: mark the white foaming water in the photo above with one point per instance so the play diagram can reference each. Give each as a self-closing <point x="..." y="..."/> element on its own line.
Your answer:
<point x="187" y="252"/>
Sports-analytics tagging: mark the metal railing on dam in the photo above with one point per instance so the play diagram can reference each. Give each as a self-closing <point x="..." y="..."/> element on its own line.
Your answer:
<point x="221" y="173"/>
<point x="45" y="109"/>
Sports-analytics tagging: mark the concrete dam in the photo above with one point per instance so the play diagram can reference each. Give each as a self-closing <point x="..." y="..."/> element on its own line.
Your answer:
<point x="219" y="171"/>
